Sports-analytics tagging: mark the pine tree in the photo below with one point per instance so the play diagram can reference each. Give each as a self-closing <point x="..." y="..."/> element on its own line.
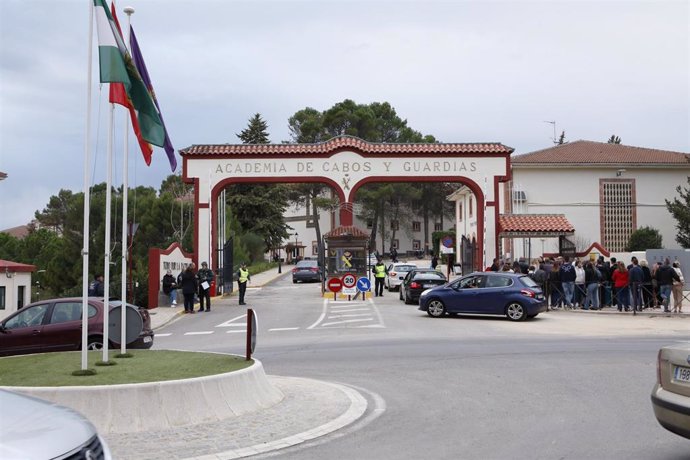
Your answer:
<point x="614" y="139"/>
<point x="680" y="210"/>
<point x="256" y="132"/>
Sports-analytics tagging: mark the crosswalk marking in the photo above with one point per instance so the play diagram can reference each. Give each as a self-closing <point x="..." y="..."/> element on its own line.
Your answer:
<point x="283" y="329"/>
<point x="232" y="323"/>
<point x="164" y="335"/>
<point x="199" y="333"/>
<point x="347" y="321"/>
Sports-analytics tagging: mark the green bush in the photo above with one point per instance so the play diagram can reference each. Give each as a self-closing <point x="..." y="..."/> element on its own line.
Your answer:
<point x="644" y="238"/>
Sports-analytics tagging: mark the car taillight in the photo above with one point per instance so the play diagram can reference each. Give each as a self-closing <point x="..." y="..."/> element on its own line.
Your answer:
<point x="314" y="269"/>
<point x="528" y="293"/>
<point x="392" y="274"/>
<point x="415" y="285"/>
<point x="294" y="270"/>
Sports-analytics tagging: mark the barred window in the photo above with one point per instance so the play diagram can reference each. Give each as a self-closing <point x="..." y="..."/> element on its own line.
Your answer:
<point x="395" y="244"/>
<point x="416" y="245"/>
<point x="618" y="216"/>
<point x="416" y="226"/>
<point x="438" y="226"/>
<point x="394" y="225"/>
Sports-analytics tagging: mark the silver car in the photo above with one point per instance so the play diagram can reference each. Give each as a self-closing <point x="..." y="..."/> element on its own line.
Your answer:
<point x="671" y="394"/>
<point x="40" y="430"/>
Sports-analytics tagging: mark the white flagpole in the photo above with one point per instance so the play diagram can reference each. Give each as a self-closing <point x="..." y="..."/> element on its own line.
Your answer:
<point x="125" y="184"/>
<point x="106" y="241"/>
<point x="484" y="261"/>
<point x="87" y="160"/>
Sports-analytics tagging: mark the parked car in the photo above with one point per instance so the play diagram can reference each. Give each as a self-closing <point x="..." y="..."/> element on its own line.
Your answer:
<point x="307" y="270"/>
<point x="396" y="274"/>
<point x="514" y="295"/>
<point x="418" y="280"/>
<point x="671" y="394"/>
<point x="39" y="429"/>
<point x="55" y="325"/>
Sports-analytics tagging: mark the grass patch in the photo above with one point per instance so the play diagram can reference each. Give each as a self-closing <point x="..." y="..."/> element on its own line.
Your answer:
<point x="55" y="369"/>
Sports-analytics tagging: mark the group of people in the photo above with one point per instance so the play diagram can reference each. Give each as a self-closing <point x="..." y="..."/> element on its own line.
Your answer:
<point x="198" y="284"/>
<point x="594" y="285"/>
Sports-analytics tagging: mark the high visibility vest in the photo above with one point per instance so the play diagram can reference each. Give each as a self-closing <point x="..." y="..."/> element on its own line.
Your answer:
<point x="244" y="275"/>
<point x="380" y="271"/>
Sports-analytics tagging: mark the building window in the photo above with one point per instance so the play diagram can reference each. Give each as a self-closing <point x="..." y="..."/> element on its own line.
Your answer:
<point x="438" y="226"/>
<point x="2" y="297"/>
<point x="416" y="245"/>
<point x="20" y="297"/>
<point x="618" y="213"/>
<point x="315" y="248"/>
<point x="395" y="244"/>
<point x="370" y="223"/>
<point x="416" y="226"/>
<point x="394" y="225"/>
<point x="471" y="207"/>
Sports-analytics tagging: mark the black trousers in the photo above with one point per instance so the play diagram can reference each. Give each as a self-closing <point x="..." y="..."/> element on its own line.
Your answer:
<point x="242" y="288"/>
<point x="204" y="294"/>
<point x="378" y="288"/>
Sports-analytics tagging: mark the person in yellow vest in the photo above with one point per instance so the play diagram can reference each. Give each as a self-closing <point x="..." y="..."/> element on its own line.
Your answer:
<point x="379" y="276"/>
<point x="242" y="278"/>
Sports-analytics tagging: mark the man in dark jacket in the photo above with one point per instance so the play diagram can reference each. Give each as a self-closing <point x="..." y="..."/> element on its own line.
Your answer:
<point x="567" y="275"/>
<point x="170" y="287"/>
<point x="205" y="277"/>
<point x="665" y="276"/>
<point x="96" y="288"/>
<point x="188" y="283"/>
<point x="635" y="279"/>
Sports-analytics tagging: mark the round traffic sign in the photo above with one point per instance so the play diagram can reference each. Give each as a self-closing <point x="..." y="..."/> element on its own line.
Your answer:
<point x="334" y="284"/>
<point x="363" y="285"/>
<point x="349" y="280"/>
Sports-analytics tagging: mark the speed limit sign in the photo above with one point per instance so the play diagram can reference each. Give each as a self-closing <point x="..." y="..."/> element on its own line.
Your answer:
<point x="349" y="280"/>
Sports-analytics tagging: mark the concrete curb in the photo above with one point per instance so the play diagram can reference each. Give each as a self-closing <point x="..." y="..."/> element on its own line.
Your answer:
<point x="168" y="404"/>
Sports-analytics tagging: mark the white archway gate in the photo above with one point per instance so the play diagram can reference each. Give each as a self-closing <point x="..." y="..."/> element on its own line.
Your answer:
<point x="345" y="163"/>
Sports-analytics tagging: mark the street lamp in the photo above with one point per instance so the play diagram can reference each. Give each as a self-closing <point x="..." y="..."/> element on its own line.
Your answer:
<point x="296" y="250"/>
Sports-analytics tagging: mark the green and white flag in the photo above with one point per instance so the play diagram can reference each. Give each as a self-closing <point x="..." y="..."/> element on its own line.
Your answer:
<point x="116" y="66"/>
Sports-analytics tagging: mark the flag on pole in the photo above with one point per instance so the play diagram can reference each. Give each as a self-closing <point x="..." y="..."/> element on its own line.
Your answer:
<point x="118" y="95"/>
<point x="116" y="66"/>
<point x="141" y="67"/>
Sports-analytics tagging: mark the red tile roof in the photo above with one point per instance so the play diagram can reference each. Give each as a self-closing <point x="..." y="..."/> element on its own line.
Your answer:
<point x="588" y="152"/>
<point x="340" y="143"/>
<point x="347" y="230"/>
<point x="8" y="265"/>
<point x="534" y="223"/>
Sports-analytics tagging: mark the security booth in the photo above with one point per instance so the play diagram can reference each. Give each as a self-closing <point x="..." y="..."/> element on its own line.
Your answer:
<point x="347" y="248"/>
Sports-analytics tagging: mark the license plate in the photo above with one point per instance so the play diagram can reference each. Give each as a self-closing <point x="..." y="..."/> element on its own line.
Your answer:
<point x="682" y="374"/>
<point x="429" y="285"/>
<point x="148" y="339"/>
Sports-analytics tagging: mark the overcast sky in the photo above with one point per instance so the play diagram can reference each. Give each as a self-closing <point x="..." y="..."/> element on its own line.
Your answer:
<point x="463" y="71"/>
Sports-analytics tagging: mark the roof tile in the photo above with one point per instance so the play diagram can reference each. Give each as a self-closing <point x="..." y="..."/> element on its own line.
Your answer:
<point x="534" y="223"/>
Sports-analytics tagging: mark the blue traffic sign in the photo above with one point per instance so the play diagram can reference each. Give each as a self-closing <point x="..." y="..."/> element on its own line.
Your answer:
<point x="363" y="284"/>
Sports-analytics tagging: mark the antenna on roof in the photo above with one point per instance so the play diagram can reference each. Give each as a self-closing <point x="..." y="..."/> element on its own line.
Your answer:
<point x="553" y="139"/>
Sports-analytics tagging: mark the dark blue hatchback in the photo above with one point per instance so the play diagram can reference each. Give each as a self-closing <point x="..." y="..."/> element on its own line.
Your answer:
<point x="514" y="295"/>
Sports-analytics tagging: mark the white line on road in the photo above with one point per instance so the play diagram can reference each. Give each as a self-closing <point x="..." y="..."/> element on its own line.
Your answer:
<point x="347" y="321"/>
<point x="164" y="335"/>
<point x="349" y="310"/>
<point x="323" y="315"/>
<point x="373" y="305"/>
<point x="283" y="329"/>
<point x="235" y="332"/>
<point x="199" y="333"/>
<point x="229" y="323"/>
<point x="349" y="316"/>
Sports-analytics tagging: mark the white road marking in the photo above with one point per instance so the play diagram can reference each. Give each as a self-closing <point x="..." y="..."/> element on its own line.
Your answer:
<point x="234" y="332"/>
<point x="378" y="313"/>
<point x="283" y="329"/>
<point x="349" y="310"/>
<point x="347" y="321"/>
<point x="199" y="333"/>
<point x="164" y="335"/>
<point x="349" y="316"/>
<point x="231" y="322"/>
<point x="323" y="315"/>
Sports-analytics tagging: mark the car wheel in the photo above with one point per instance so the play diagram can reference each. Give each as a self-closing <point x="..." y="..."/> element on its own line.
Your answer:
<point x="95" y="343"/>
<point x="435" y="308"/>
<point x="516" y="312"/>
<point x="400" y="295"/>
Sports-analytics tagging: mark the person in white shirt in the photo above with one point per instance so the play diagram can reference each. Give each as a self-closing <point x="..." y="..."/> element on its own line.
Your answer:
<point x="580" y="288"/>
<point x="677" y="289"/>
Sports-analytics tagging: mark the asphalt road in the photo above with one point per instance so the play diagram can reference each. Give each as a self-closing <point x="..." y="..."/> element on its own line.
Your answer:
<point x="562" y="386"/>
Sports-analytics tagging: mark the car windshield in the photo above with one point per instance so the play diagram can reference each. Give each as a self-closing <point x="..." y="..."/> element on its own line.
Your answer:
<point x="307" y="264"/>
<point x="429" y="276"/>
<point x="529" y="282"/>
<point x="404" y="268"/>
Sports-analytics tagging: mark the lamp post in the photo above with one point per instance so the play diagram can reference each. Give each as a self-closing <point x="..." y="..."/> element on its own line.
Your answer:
<point x="296" y="250"/>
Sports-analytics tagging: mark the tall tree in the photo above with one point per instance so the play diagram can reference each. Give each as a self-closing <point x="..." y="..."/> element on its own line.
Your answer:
<point x="561" y="139"/>
<point x="614" y="139"/>
<point x="259" y="208"/>
<point x="680" y="210"/>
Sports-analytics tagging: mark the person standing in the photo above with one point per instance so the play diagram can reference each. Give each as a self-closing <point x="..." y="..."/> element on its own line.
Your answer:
<point x="580" y="285"/>
<point x="96" y="288"/>
<point x="665" y="276"/>
<point x="189" y="286"/>
<point x="170" y="287"/>
<point x="394" y="255"/>
<point x="434" y="261"/>
<point x="620" y="284"/>
<point x="677" y="289"/>
<point x="592" y="286"/>
<point x="379" y="276"/>
<point x="635" y="279"/>
<point x="204" y="277"/>
<point x="567" y="275"/>
<point x="647" y="287"/>
<point x="242" y="279"/>
<point x="555" y="292"/>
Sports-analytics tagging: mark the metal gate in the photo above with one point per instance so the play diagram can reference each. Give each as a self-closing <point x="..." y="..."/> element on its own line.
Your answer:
<point x="468" y="250"/>
<point x="566" y="248"/>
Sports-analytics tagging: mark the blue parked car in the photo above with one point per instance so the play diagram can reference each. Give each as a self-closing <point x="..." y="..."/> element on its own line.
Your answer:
<point x="514" y="295"/>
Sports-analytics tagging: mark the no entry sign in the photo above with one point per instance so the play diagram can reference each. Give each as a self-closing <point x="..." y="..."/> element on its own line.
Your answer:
<point x="335" y="285"/>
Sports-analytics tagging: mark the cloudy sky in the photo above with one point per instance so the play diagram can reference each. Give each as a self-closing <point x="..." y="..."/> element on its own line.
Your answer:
<point x="464" y="71"/>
